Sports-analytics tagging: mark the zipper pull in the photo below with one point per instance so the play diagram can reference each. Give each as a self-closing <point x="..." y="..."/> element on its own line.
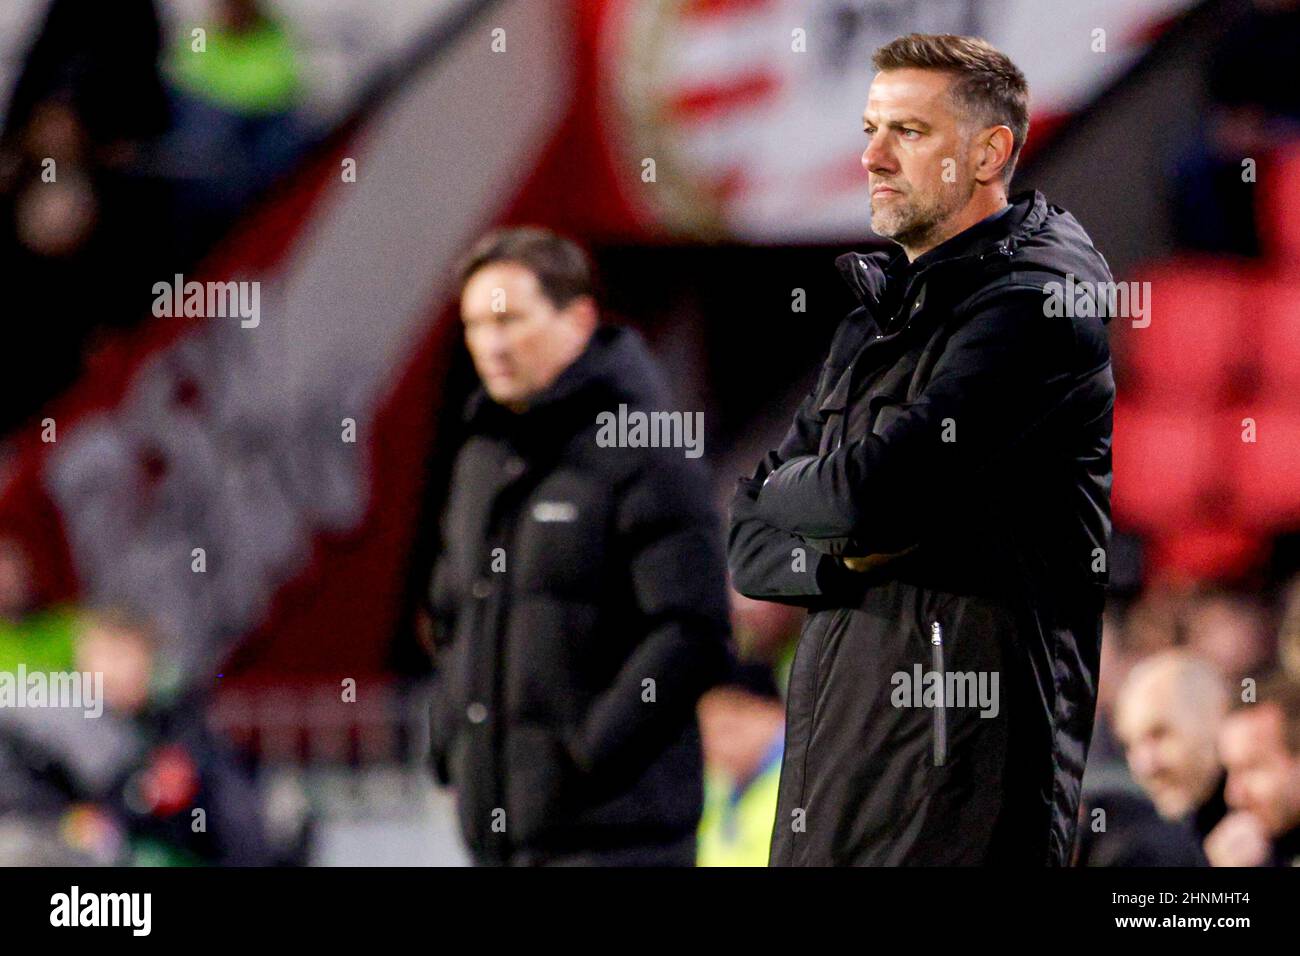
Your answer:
<point x="936" y="633"/>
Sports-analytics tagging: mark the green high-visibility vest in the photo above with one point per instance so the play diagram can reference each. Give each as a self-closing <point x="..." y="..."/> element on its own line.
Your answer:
<point x="736" y="829"/>
<point x="40" y="642"/>
<point x="253" y="72"/>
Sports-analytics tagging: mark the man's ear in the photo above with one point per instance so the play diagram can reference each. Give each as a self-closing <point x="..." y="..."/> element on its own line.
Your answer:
<point x="995" y="147"/>
<point x="582" y="312"/>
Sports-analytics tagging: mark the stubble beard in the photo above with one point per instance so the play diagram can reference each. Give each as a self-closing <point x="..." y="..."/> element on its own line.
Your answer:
<point x="914" y="223"/>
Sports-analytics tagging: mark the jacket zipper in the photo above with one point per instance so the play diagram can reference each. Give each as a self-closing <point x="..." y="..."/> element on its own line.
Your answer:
<point x="1001" y="249"/>
<point x="940" y="710"/>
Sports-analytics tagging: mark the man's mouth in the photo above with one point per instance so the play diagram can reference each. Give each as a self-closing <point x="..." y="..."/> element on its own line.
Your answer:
<point x="883" y="190"/>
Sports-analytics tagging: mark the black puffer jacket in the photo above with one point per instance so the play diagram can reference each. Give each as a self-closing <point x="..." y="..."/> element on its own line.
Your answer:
<point x="610" y="575"/>
<point x="970" y="444"/>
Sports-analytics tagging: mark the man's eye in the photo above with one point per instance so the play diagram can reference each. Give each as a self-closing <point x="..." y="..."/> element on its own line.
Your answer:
<point x="870" y="131"/>
<point x="911" y="133"/>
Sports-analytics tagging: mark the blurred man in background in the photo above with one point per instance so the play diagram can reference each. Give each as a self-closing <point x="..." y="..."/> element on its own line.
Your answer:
<point x="1168" y="717"/>
<point x="236" y="100"/>
<point x="143" y="783"/>
<point x="1120" y="828"/>
<point x="579" y="595"/>
<point x="743" y="725"/>
<point x="1260" y="745"/>
<point x="81" y="219"/>
<point x="942" y="498"/>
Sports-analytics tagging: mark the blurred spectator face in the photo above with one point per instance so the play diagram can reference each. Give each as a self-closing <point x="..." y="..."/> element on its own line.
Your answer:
<point x="1168" y="716"/>
<point x="15" y="581"/>
<point x="56" y="219"/>
<point x="1263" y="775"/>
<point x="910" y="160"/>
<point x="123" y="654"/>
<point x="519" y="341"/>
<point x="737" y="729"/>
<point x="1228" y="631"/>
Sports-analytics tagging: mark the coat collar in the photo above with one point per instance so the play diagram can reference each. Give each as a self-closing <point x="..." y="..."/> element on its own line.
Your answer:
<point x="867" y="274"/>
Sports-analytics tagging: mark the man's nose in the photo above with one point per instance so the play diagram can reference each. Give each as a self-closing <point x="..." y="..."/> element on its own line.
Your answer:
<point x="496" y="338"/>
<point x="490" y="341"/>
<point x="877" y="158"/>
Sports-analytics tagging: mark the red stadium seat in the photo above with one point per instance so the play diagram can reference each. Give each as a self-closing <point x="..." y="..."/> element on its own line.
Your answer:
<point x="1164" y="468"/>
<point x="1192" y="351"/>
<point x="1276" y="321"/>
<point x="1266" y="472"/>
<point x="1207" y="553"/>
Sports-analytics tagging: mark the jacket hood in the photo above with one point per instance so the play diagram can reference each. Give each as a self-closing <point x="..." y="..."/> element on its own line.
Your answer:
<point x="1035" y="236"/>
<point x="616" y="367"/>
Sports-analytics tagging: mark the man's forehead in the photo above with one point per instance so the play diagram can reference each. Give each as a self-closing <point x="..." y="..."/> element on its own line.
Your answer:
<point x="1141" y="717"/>
<point x="512" y="279"/>
<point x="908" y="94"/>
<point x="1148" y="692"/>
<point x="502" y="272"/>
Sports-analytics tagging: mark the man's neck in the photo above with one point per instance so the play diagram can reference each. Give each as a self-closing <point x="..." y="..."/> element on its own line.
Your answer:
<point x="977" y="210"/>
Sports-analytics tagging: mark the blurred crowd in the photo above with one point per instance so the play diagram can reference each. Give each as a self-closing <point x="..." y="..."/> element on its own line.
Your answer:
<point x="125" y="152"/>
<point x="1195" y="760"/>
<point x="146" y="782"/>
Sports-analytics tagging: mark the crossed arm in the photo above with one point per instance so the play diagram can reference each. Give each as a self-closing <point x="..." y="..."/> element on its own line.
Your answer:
<point x="879" y="493"/>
